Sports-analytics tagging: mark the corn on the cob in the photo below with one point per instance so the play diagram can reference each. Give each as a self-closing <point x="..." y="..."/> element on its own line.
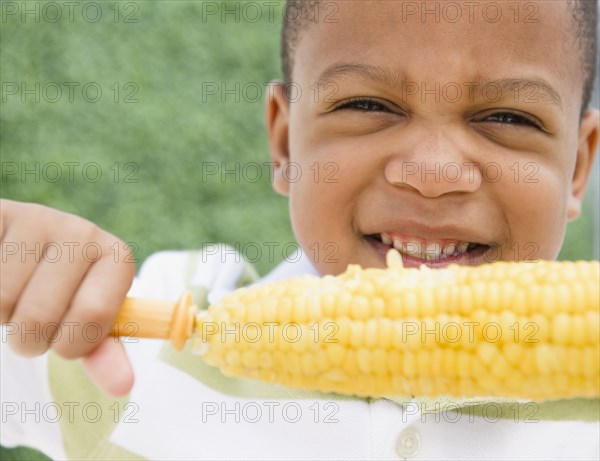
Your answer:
<point x="502" y="329"/>
<point x="522" y="330"/>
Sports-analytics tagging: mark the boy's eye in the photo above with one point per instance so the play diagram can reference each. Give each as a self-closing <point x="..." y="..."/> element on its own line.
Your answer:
<point x="510" y="118"/>
<point x="363" y="105"/>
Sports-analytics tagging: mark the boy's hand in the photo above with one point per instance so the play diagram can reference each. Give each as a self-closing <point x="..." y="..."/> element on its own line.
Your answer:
<point x="61" y="286"/>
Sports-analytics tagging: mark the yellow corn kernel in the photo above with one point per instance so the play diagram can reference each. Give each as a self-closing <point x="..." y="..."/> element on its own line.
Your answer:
<point x="539" y="329"/>
<point x="357" y="334"/>
<point x="350" y="365"/>
<point x="411" y="308"/>
<point x="394" y="308"/>
<point x="233" y="357"/>
<point x="293" y="365"/>
<point x="359" y="308"/>
<point x="364" y="359"/>
<point x="394" y="361"/>
<point x="308" y="364"/>
<point x="284" y="311"/>
<point x="380" y="358"/>
<point x="385" y="334"/>
<point x="409" y="366"/>
<point x="378" y="307"/>
<point x="249" y="359"/>
<point x="592" y="320"/>
<point x="371" y="333"/>
<point x="561" y="329"/>
<point x="328" y="305"/>
<point x="342" y="304"/>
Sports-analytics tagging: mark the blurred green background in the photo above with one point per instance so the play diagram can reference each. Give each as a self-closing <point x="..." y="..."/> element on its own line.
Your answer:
<point x="151" y="153"/>
<point x="150" y="133"/>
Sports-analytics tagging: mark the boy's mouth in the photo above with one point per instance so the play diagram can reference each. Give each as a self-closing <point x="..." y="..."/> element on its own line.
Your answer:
<point x="436" y="253"/>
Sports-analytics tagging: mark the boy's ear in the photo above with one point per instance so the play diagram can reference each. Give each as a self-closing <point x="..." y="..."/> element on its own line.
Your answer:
<point x="277" y="114"/>
<point x="586" y="152"/>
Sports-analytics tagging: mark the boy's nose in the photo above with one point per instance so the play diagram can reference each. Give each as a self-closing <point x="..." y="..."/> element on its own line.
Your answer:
<point x="434" y="167"/>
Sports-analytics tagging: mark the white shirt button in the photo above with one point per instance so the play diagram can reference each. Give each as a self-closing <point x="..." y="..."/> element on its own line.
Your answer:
<point x="408" y="443"/>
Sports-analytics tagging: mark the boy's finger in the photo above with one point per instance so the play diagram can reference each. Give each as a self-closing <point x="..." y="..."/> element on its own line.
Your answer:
<point x="95" y="305"/>
<point x="41" y="307"/>
<point x="15" y="270"/>
<point x="20" y="253"/>
<point x="108" y="367"/>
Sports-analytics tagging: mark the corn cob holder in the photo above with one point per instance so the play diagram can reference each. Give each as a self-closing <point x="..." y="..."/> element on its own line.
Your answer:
<point x="515" y="330"/>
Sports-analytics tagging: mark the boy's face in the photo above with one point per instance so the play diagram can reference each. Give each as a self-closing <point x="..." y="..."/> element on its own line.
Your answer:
<point x="456" y="141"/>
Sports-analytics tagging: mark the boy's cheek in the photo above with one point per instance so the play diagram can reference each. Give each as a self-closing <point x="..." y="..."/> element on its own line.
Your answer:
<point x="536" y="225"/>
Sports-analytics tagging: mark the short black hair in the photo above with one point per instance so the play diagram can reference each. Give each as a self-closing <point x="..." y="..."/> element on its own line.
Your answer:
<point x="585" y="14"/>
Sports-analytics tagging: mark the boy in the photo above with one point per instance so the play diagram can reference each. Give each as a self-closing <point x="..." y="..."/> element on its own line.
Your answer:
<point x="425" y="116"/>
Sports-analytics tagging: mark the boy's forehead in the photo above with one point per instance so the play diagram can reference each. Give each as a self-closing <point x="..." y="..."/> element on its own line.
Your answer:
<point x="437" y="40"/>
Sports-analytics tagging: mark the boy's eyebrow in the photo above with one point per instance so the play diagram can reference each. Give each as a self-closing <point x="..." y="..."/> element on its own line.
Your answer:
<point x="530" y="88"/>
<point x="381" y="74"/>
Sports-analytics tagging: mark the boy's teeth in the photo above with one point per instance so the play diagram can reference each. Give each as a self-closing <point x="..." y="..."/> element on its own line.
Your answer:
<point x="433" y="251"/>
<point x="409" y="248"/>
<point x="429" y="251"/>
<point x="386" y="239"/>
<point x="449" y="249"/>
<point x="398" y="245"/>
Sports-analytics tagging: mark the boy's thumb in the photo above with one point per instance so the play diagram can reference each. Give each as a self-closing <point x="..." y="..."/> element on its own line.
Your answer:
<point x="108" y="367"/>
